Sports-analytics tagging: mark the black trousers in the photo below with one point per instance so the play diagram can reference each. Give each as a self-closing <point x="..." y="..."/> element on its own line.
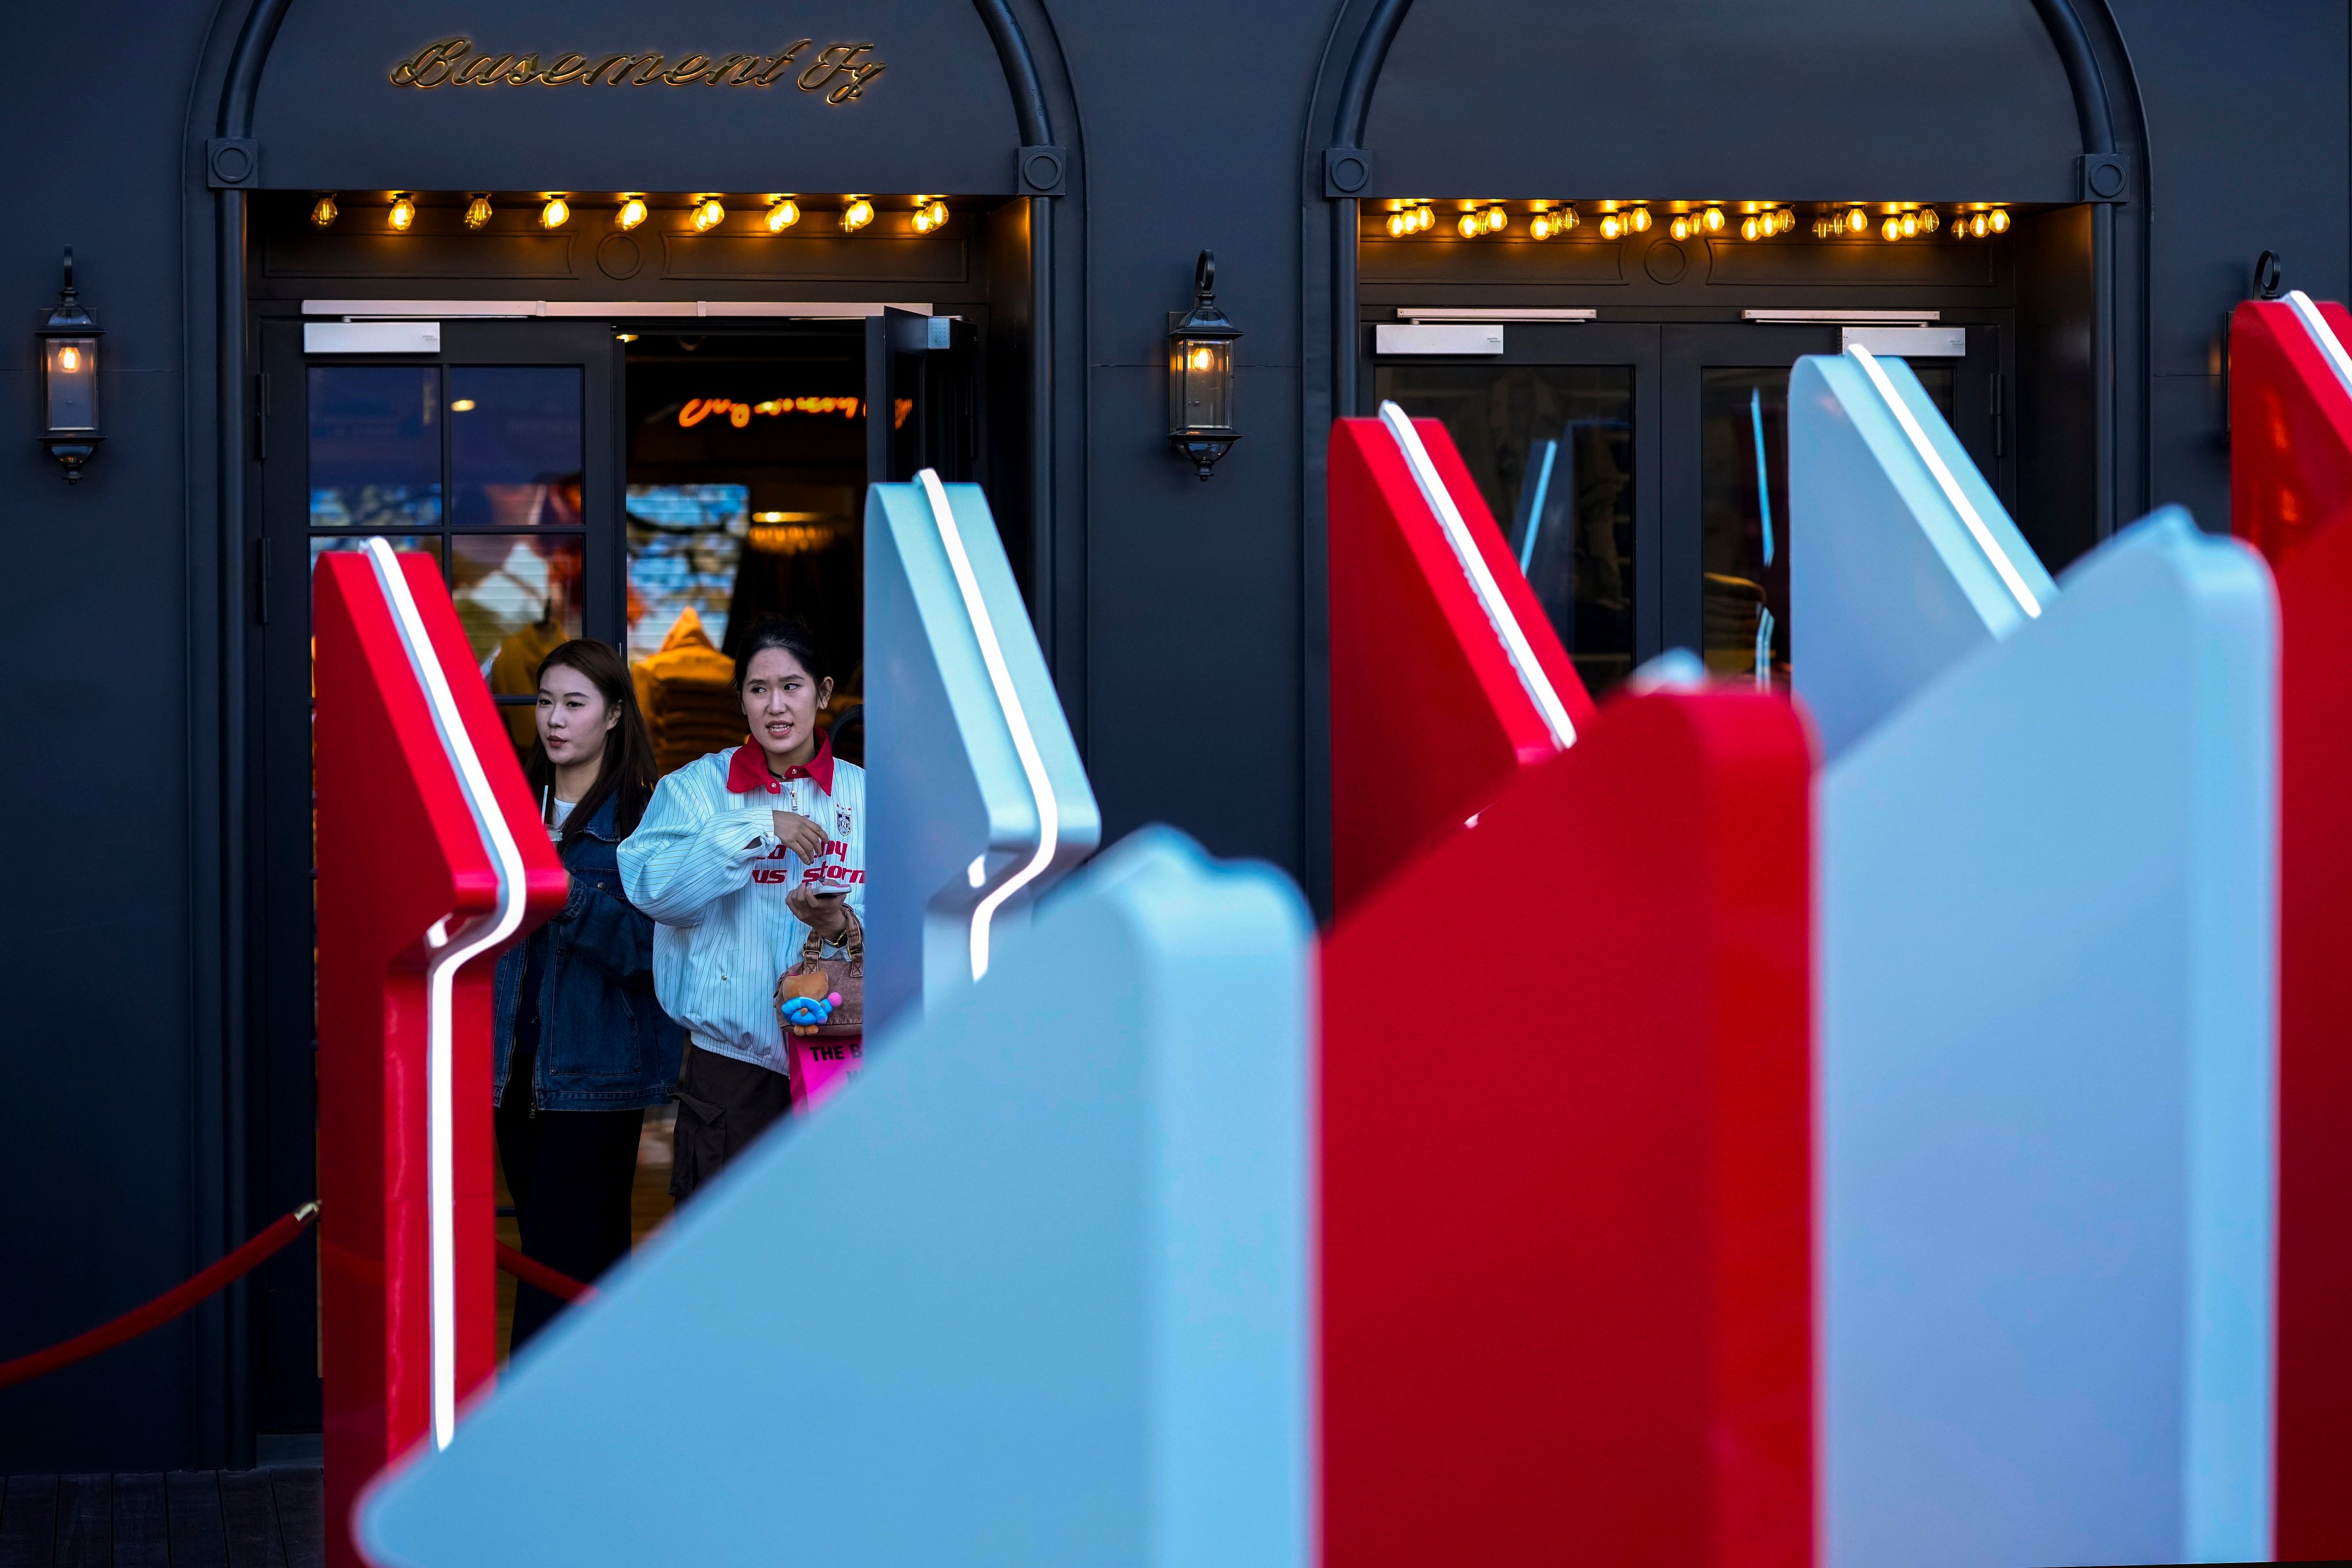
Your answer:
<point x="722" y="1106"/>
<point x="570" y="1172"/>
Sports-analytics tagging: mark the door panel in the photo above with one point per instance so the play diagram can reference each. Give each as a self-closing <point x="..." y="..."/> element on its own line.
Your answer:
<point x="922" y="373"/>
<point x="498" y="457"/>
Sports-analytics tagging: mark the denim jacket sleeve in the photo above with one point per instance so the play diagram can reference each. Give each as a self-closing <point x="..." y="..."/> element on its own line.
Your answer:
<point x="609" y="932"/>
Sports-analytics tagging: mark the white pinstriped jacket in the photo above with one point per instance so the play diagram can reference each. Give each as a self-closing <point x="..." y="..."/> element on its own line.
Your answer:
<point x="705" y="865"/>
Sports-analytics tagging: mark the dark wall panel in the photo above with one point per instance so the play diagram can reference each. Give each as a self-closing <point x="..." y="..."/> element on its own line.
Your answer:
<point x="1194" y="660"/>
<point x="1799" y="101"/>
<point x="329" y="115"/>
<point x="107" y="1107"/>
<point x="2252" y="151"/>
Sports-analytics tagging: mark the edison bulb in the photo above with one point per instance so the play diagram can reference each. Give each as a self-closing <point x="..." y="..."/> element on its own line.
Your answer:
<point x="477" y="212"/>
<point x="1568" y="219"/>
<point x="1857" y="220"/>
<point x="1396" y="226"/>
<point x="1910" y="222"/>
<point x="555" y="213"/>
<point x="1999" y="220"/>
<point x="1712" y="218"/>
<point x="1203" y="357"/>
<point x="783" y="215"/>
<point x="70" y="359"/>
<point x="1428" y="218"/>
<point x="939" y="210"/>
<point x="403" y="214"/>
<point x="1893" y="228"/>
<point x="1497" y="220"/>
<point x="1468" y="226"/>
<point x="708" y="214"/>
<point x="1930" y="220"/>
<point x="1976" y="226"/>
<point x="631" y="214"/>
<point x="1681" y="228"/>
<point x="1748" y="228"/>
<point x="1641" y="220"/>
<point x="323" y="211"/>
<point x="857" y="215"/>
<point x="1611" y="225"/>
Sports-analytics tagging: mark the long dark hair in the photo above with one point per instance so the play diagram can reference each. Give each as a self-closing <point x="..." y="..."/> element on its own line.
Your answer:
<point x="629" y="773"/>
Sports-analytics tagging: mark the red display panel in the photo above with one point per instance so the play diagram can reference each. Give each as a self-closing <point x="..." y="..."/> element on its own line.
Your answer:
<point x="2290" y="494"/>
<point x="1429" y="716"/>
<point x="405" y="870"/>
<point x="1566" y="1164"/>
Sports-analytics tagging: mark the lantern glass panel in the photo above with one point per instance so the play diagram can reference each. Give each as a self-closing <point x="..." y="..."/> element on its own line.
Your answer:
<point x="1202" y="379"/>
<point x="72" y="365"/>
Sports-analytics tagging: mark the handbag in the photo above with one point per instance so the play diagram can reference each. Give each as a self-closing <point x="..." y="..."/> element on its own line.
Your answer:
<point x="821" y="1008"/>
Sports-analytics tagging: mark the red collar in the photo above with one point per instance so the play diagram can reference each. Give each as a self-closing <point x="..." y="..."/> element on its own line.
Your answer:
<point x="748" y="770"/>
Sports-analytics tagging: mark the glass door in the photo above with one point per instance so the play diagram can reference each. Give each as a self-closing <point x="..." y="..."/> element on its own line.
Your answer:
<point x="497" y="458"/>
<point x="1558" y="431"/>
<point x="1726" y="475"/>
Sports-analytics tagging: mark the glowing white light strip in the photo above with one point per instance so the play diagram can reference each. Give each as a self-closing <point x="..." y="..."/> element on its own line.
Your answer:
<point x="1950" y="485"/>
<point x="1489" y="592"/>
<point x="449" y="952"/>
<point x="1024" y="743"/>
<point x="2330" y="348"/>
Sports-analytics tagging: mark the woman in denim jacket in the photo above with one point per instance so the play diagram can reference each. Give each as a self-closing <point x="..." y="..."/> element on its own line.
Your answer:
<point x="582" y="1045"/>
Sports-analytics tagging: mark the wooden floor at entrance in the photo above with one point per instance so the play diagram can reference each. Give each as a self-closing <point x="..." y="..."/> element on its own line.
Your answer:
<point x="186" y="1518"/>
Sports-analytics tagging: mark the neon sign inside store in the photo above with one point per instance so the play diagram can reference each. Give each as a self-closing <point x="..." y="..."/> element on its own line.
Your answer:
<point x="739" y="415"/>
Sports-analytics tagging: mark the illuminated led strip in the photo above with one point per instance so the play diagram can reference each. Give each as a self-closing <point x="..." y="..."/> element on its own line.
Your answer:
<point x="1489" y="593"/>
<point x="449" y="952"/>
<point x="1950" y="485"/>
<point x="1024" y="743"/>
<point x="2330" y="348"/>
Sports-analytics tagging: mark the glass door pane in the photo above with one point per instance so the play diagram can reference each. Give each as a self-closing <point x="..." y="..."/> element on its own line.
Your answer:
<point x="1551" y="447"/>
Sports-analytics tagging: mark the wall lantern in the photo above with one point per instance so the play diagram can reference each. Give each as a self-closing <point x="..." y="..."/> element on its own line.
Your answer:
<point x="1201" y="373"/>
<point x="70" y="337"/>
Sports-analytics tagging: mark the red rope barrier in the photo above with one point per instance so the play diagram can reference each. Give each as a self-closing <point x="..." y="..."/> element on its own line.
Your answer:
<point x="531" y="1271"/>
<point x="165" y="1306"/>
<point x="227" y="1273"/>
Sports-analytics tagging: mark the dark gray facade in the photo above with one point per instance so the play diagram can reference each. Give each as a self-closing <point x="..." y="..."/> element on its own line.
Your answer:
<point x="1182" y="619"/>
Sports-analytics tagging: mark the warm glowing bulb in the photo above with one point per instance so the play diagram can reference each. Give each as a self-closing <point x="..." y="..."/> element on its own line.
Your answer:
<point x="1201" y="357"/>
<point x="1930" y="220"/>
<point x="1428" y="217"/>
<point x="1910" y="222"/>
<point x="403" y="214"/>
<point x="1540" y="226"/>
<point x="1857" y="220"/>
<point x="1611" y="225"/>
<point x="323" y="211"/>
<point x="1568" y="219"/>
<point x="1892" y="228"/>
<point x="1641" y="220"/>
<point x="1396" y="226"/>
<point x="857" y="215"/>
<point x="783" y="216"/>
<point x="477" y="212"/>
<point x="1468" y="225"/>
<point x="1712" y="220"/>
<point x="1999" y="220"/>
<point x="1976" y="226"/>
<point x="1497" y="220"/>
<point x="708" y="214"/>
<point x="555" y="213"/>
<point x="631" y="214"/>
<point x="922" y="220"/>
<point x="70" y="359"/>
<point x="1681" y="228"/>
<point x="1747" y="226"/>
<point x="1788" y="219"/>
<point x="938" y="211"/>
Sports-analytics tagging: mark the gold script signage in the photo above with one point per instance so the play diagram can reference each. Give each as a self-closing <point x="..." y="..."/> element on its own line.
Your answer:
<point x="840" y="71"/>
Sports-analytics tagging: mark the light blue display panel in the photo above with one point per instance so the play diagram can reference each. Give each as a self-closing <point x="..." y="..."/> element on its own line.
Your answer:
<point x="1901" y="559"/>
<point x="1035" y="1296"/>
<point x="2046" y="1012"/>
<point x="977" y="799"/>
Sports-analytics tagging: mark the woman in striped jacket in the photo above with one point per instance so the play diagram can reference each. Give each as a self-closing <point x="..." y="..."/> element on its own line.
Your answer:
<point x="741" y="855"/>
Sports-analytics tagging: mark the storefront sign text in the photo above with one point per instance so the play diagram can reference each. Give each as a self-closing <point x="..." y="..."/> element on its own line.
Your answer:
<point x="840" y="71"/>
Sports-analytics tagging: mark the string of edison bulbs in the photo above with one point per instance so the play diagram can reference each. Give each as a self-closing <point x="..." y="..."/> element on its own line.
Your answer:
<point x="705" y="212"/>
<point x="1752" y="221"/>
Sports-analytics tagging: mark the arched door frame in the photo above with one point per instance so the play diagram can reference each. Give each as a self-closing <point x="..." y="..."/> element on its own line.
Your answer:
<point x="2112" y="176"/>
<point x="1049" y="174"/>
